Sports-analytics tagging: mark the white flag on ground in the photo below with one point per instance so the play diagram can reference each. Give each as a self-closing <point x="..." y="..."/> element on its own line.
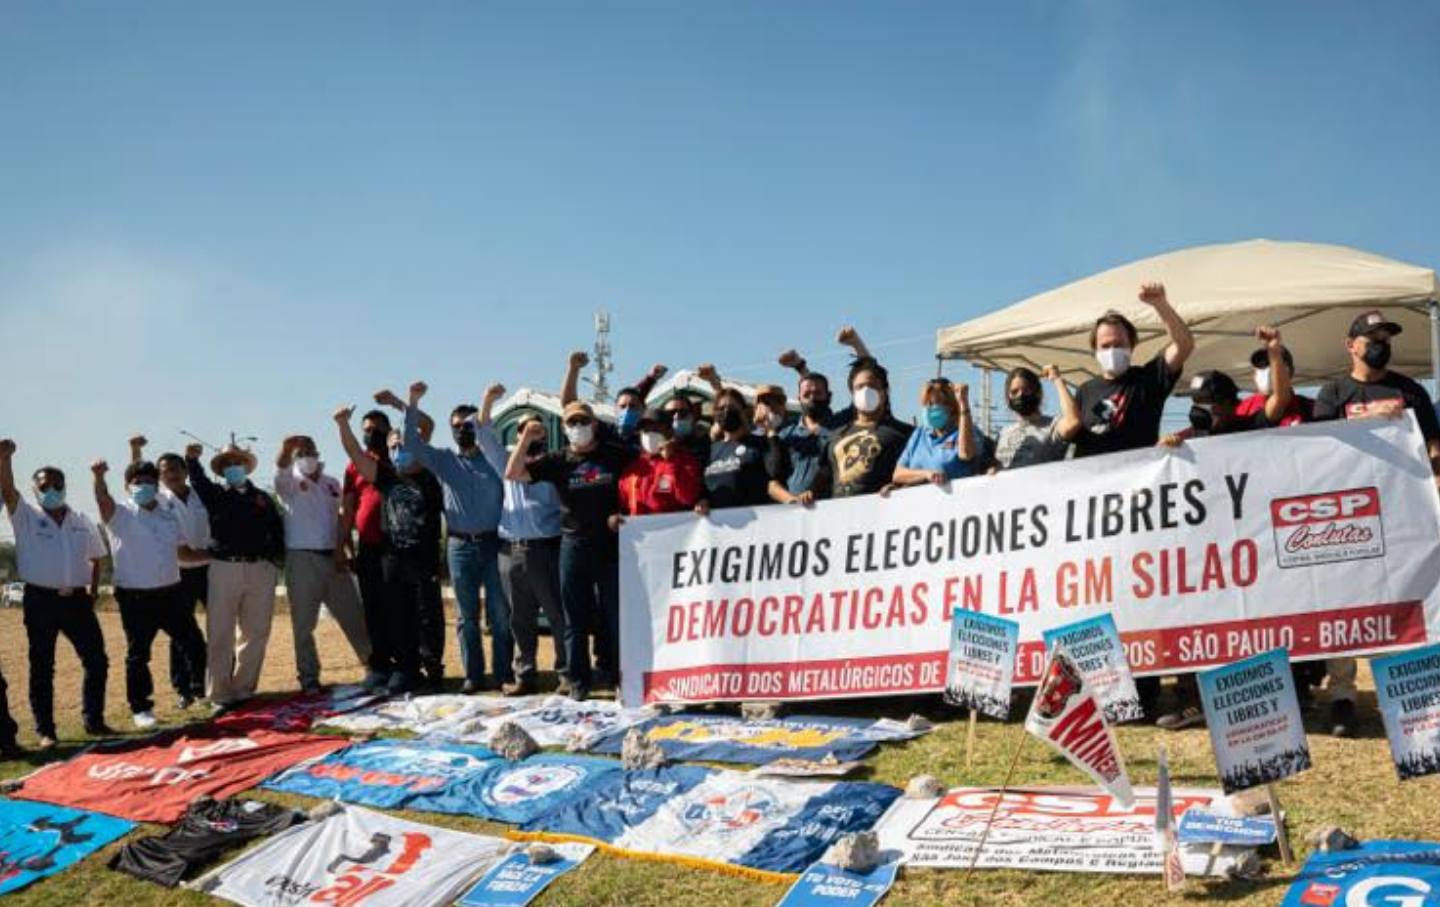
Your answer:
<point x="1066" y="715"/>
<point x="1166" y="839"/>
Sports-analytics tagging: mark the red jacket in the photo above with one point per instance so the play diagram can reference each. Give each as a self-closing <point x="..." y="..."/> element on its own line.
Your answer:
<point x="657" y="484"/>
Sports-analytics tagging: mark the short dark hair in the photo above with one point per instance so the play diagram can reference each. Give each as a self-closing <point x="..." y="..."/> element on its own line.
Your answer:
<point x="377" y="415"/>
<point x="1114" y="319"/>
<point x="1024" y="374"/>
<point x="868" y="364"/>
<point x="53" y="472"/>
<point x="633" y="391"/>
<point x="167" y="458"/>
<point x="817" y="377"/>
<point x="684" y="399"/>
<point x="464" y="411"/>
<point x="734" y="396"/>
<point x="141" y="469"/>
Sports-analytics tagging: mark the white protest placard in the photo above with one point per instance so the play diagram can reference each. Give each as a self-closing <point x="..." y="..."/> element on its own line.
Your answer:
<point x="1254" y="719"/>
<point x="1407" y="687"/>
<point x="981" y="668"/>
<point x="1203" y="555"/>
<point x="1094" y="645"/>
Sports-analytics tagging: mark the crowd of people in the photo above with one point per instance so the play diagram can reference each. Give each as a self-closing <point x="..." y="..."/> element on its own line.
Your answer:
<point x="536" y="526"/>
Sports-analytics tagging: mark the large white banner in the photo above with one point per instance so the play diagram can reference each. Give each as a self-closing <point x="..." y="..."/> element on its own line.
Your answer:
<point x="1321" y="538"/>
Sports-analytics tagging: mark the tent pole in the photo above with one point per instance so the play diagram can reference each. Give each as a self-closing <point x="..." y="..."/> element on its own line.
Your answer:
<point x="985" y="401"/>
<point x="1434" y="306"/>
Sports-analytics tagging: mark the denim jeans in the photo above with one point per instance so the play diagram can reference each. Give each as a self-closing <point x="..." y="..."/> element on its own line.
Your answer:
<point x="473" y="563"/>
<point x="590" y="595"/>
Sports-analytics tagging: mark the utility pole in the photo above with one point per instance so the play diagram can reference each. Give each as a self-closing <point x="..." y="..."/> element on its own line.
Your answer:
<point x="601" y="358"/>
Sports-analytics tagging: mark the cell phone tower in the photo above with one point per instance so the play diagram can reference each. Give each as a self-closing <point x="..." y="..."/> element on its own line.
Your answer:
<point x="601" y="360"/>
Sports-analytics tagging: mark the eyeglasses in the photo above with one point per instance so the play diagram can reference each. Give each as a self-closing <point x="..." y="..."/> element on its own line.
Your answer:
<point x="582" y="420"/>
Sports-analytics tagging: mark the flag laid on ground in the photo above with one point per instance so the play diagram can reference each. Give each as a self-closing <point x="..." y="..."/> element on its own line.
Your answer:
<point x="355" y="857"/>
<point x="1166" y="840"/>
<point x="1095" y="648"/>
<point x="518" y="792"/>
<point x="1254" y="719"/>
<point x="299" y="712"/>
<point x="1407" y="688"/>
<point x="1392" y="873"/>
<point x="1047" y="828"/>
<point x="981" y="668"/>
<point x="208" y="829"/>
<point x="425" y="714"/>
<point x="39" y="840"/>
<point x="387" y="773"/>
<point x="726" y="738"/>
<point x="557" y="721"/>
<point x="822" y="885"/>
<point x="766" y="825"/>
<point x="515" y="881"/>
<point x="1066" y="715"/>
<point x="155" y="778"/>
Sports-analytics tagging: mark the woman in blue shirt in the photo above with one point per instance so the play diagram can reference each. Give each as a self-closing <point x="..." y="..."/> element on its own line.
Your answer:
<point x="943" y="448"/>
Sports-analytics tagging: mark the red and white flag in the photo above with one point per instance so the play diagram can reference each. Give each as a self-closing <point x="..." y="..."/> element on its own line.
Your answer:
<point x="1066" y="715"/>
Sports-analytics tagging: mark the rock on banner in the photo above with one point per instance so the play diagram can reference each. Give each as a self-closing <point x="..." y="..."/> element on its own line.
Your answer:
<point x="1322" y="539"/>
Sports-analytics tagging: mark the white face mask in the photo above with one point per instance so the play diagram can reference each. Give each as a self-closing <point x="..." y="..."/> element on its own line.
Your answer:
<point x="306" y="466"/>
<point x="579" y="435"/>
<point x="867" y="399"/>
<point x="651" y="442"/>
<point x="1262" y="381"/>
<point x="1114" y="360"/>
<point x="774" y="421"/>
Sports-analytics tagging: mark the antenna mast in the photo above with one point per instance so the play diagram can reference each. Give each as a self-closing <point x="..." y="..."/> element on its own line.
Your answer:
<point x="603" y="363"/>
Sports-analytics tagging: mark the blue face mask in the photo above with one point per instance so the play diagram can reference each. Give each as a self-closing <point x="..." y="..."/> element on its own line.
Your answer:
<point x="235" y="475"/>
<point x="937" y="417"/>
<point x="402" y="458"/>
<point x="683" y="427"/>
<point x="143" y="494"/>
<point x="627" y="420"/>
<point x="52" y="498"/>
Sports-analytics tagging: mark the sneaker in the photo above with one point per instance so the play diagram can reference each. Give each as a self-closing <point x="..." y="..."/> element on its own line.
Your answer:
<point x="311" y="689"/>
<point x="579" y="693"/>
<point x="470" y="688"/>
<point x="144" y="720"/>
<point x="563" y="687"/>
<point x="47" y="743"/>
<point x="398" y="684"/>
<point x="220" y="708"/>
<point x="1342" y="718"/>
<point x="1189" y="716"/>
<point x="100" y="730"/>
<point x="185" y="701"/>
<point x="375" y="681"/>
<point x="517" y="688"/>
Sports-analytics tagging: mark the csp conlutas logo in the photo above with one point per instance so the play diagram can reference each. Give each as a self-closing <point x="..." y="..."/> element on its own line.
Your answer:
<point x="1326" y="528"/>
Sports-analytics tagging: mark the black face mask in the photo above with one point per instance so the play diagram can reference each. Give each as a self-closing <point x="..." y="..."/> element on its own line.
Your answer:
<point x="1025" y="404"/>
<point x="536" y="448"/>
<point x="1201" y="419"/>
<point x="730" y="420"/>
<point x="816" y="409"/>
<point x="1377" y="353"/>
<point x="375" y="440"/>
<point x="464" y="434"/>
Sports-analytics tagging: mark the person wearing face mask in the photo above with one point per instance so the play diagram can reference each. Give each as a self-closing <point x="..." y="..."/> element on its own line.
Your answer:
<point x="587" y="476"/>
<point x="684" y="416"/>
<point x="1370" y="390"/>
<point x="361" y="542"/>
<point x="177" y="497"/>
<point x="248" y="539"/>
<point x="474" y="499"/>
<point x="861" y="457"/>
<point x="737" y="475"/>
<point x="629" y="402"/>
<point x="665" y="478"/>
<point x="530" y="527"/>
<point x="145" y="543"/>
<point x="1121" y="409"/>
<point x="58" y="553"/>
<point x="1033" y="437"/>
<point x="310" y="507"/>
<point x="1274" y="384"/>
<point x="795" y="460"/>
<point x="944" y="447"/>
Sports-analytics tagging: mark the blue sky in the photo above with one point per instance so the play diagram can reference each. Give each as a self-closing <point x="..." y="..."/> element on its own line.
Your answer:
<point x="238" y="217"/>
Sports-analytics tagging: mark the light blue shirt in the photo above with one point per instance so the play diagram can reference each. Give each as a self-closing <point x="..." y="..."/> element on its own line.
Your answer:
<point x="474" y="492"/>
<point x="532" y="510"/>
<point x="936" y="453"/>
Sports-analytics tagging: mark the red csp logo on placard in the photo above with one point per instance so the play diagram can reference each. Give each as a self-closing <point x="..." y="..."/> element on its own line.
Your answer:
<point x="1326" y="528"/>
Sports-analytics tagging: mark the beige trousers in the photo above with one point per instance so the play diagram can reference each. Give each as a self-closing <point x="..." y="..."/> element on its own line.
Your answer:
<point x="312" y="579"/>
<point x="242" y="598"/>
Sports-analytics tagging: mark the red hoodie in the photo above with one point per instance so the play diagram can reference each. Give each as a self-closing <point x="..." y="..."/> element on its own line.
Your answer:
<point x="656" y="484"/>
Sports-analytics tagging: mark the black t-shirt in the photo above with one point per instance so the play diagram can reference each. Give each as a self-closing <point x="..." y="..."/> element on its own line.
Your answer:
<point x="736" y="475"/>
<point x="589" y="484"/>
<point x="410" y="514"/>
<point x="1124" y="413"/>
<point x="208" y="829"/>
<point x="860" y="459"/>
<point x="1348" y="399"/>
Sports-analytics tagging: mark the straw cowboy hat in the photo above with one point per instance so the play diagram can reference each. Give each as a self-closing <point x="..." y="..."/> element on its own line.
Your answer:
<point x="233" y="453"/>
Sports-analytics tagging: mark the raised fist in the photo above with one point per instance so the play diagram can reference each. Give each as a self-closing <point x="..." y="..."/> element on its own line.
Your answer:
<point x="99" y="467"/>
<point x="579" y="359"/>
<point x="7" y="448"/>
<point x="417" y="390"/>
<point x="1270" y="336"/>
<point x="847" y="336"/>
<point x="193" y="451"/>
<point x="706" y="372"/>
<point x="494" y="392"/>
<point x="387" y="397"/>
<point x="790" y="359"/>
<point x="1152" y="294"/>
<point x="657" y="371"/>
<point x="343" y="414"/>
<point x="138" y="442"/>
<point x="1052" y="373"/>
<point x="533" y="431"/>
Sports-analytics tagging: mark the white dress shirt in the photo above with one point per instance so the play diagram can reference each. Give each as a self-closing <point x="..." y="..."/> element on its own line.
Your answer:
<point x="311" y="509"/>
<point x="53" y="555"/>
<point x="143" y="546"/>
<point x="193" y="519"/>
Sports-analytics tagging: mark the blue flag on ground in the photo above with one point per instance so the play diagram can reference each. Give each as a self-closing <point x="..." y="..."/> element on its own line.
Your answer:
<point x="518" y="792"/>
<point x="726" y="738"/>
<point x="1400" y="873"/>
<point x="823" y="885"/>
<point x="39" y="840"/>
<point x="515" y="881"/>
<point x="386" y="773"/>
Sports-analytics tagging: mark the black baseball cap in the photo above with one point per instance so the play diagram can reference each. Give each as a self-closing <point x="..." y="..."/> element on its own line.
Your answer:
<point x="1261" y="358"/>
<point x="1372" y="320"/>
<point x="655" y="418"/>
<point x="1213" y="387"/>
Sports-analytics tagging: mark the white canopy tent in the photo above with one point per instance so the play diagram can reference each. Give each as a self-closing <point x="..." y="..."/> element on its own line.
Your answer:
<point x="1310" y="291"/>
